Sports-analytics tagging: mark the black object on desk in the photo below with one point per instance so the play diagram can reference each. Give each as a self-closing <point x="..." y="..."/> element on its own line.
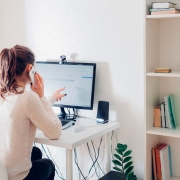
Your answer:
<point x="63" y="115"/>
<point x="102" y="112"/>
<point x="113" y="175"/>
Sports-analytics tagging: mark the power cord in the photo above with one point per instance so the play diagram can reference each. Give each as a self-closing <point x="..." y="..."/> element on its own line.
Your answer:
<point x="70" y="115"/>
<point x="75" y="113"/>
<point x="95" y="157"/>
<point x="92" y="159"/>
<point x="49" y="158"/>
<point x="75" y="160"/>
<point x="54" y="161"/>
<point x="94" y="162"/>
<point x="78" y="169"/>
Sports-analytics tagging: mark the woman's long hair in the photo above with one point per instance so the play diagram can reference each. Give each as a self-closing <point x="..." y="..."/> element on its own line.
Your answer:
<point x="12" y="64"/>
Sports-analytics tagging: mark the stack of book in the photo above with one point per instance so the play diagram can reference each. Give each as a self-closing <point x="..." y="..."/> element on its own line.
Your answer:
<point x="164" y="8"/>
<point x="164" y="114"/>
<point x="162" y="70"/>
<point x="161" y="160"/>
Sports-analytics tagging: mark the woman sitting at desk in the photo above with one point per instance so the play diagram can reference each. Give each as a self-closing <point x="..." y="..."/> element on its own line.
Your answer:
<point x="21" y="112"/>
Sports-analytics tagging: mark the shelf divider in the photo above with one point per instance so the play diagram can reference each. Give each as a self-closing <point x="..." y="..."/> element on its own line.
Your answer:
<point x="171" y="74"/>
<point x="165" y="131"/>
<point x="163" y="16"/>
<point x="175" y="178"/>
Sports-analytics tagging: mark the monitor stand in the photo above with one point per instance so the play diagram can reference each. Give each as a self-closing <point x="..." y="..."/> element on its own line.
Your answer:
<point x="64" y="115"/>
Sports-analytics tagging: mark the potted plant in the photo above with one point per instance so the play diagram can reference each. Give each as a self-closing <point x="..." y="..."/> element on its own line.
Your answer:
<point x="123" y="163"/>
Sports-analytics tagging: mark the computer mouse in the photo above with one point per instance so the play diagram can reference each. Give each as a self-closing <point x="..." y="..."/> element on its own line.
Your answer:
<point x="78" y="128"/>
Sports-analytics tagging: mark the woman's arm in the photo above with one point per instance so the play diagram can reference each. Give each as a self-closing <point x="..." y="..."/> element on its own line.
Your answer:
<point x="40" y="111"/>
<point x="56" y="96"/>
<point x="42" y="115"/>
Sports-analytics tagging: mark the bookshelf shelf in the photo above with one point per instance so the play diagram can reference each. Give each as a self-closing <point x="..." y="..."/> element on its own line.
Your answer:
<point x="165" y="132"/>
<point x="172" y="74"/>
<point x="175" y="178"/>
<point x="163" y="16"/>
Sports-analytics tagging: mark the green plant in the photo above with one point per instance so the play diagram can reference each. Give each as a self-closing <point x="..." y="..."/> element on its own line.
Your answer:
<point x="123" y="162"/>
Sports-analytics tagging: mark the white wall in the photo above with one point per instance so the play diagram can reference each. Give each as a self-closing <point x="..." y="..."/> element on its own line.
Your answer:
<point x="107" y="32"/>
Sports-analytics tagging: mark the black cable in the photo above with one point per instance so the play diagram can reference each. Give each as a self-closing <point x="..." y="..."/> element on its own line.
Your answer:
<point x="77" y="113"/>
<point x="68" y="111"/>
<point x="75" y="157"/>
<point x="77" y="163"/>
<point x="45" y="151"/>
<point x="92" y="159"/>
<point x="74" y="113"/>
<point x="95" y="157"/>
<point x="49" y="158"/>
<point x="69" y="116"/>
<point x="54" y="161"/>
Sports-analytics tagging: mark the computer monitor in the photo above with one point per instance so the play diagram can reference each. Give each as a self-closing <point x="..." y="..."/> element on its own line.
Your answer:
<point x="77" y="78"/>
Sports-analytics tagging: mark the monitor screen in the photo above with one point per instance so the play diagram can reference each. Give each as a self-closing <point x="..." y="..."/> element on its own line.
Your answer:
<point x="77" y="78"/>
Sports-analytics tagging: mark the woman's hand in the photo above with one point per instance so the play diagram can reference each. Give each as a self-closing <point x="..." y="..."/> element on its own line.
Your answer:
<point x="57" y="94"/>
<point x="39" y="85"/>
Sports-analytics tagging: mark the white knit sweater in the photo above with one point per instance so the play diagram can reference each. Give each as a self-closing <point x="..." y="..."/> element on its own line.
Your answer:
<point x="20" y="115"/>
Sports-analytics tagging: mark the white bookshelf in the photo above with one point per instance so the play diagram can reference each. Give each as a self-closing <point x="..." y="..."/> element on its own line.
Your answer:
<point x="171" y="74"/>
<point x="164" y="16"/>
<point x="162" y="41"/>
<point x="175" y="178"/>
<point x="164" y="132"/>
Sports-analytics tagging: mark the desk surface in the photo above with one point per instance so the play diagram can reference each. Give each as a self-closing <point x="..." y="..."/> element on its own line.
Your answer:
<point x="70" y="140"/>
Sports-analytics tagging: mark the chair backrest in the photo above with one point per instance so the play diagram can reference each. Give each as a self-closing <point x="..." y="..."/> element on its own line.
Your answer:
<point x="3" y="173"/>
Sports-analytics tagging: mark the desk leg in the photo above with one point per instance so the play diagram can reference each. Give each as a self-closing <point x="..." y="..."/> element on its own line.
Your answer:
<point x="108" y="152"/>
<point x="69" y="164"/>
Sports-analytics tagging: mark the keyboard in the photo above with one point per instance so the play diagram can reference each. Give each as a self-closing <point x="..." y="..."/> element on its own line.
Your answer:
<point x="66" y="123"/>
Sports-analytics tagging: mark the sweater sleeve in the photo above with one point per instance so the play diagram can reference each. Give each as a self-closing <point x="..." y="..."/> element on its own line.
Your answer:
<point x="51" y="99"/>
<point x="42" y="115"/>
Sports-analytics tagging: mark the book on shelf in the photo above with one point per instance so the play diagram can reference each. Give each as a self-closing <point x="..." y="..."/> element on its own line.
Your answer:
<point x="161" y="162"/>
<point x="165" y="159"/>
<point x="158" y="161"/>
<point x="154" y="161"/>
<point x="163" y="118"/>
<point x="172" y="108"/>
<point x="163" y="5"/>
<point x="157" y="116"/>
<point x="162" y="9"/>
<point x="162" y="70"/>
<point x="175" y="11"/>
<point x="170" y="111"/>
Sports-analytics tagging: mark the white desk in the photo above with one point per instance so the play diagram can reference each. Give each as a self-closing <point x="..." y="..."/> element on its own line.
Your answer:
<point x="70" y="140"/>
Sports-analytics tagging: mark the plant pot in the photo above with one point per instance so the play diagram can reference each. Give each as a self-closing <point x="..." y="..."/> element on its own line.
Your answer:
<point x="113" y="175"/>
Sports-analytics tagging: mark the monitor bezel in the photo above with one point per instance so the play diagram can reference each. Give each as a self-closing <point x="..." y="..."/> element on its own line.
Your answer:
<point x="93" y="82"/>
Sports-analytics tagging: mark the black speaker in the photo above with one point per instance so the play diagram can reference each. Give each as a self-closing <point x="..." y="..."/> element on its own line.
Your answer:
<point x="102" y="112"/>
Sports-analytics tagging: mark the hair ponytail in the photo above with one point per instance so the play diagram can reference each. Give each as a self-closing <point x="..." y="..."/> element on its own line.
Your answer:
<point x="12" y="63"/>
<point x="12" y="66"/>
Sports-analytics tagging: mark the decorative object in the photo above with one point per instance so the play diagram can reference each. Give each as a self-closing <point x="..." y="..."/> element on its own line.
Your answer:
<point x="123" y="163"/>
